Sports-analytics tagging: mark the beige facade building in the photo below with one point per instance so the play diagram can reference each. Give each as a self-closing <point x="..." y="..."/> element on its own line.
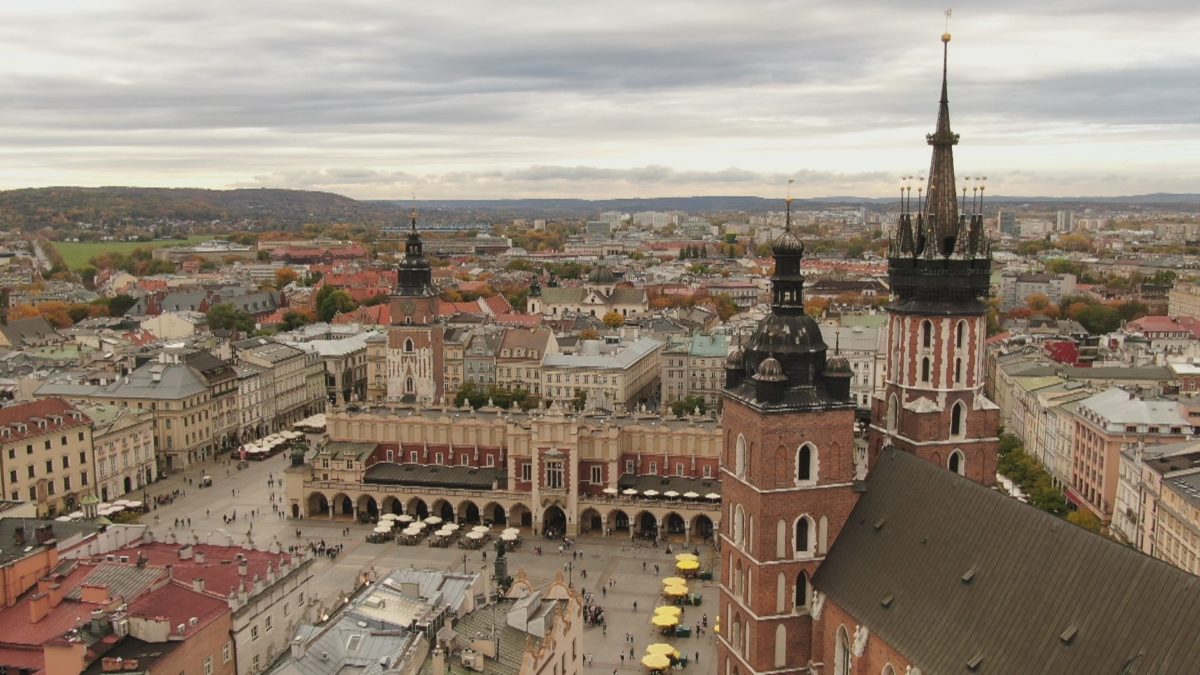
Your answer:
<point x="694" y="366"/>
<point x="519" y="359"/>
<point x="185" y="410"/>
<point x="46" y="455"/>
<point x="1104" y="425"/>
<point x="123" y="445"/>
<point x="295" y="379"/>
<point x="610" y="377"/>
<point x="1184" y="300"/>
<point x="537" y="470"/>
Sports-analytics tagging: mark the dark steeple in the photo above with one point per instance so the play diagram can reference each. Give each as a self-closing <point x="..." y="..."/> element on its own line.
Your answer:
<point x="787" y="284"/>
<point x="415" y="275"/>
<point x="941" y="203"/>
<point x="940" y="260"/>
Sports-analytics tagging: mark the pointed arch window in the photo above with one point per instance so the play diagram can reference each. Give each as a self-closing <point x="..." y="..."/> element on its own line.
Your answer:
<point x="927" y="334"/>
<point x="409" y="386"/>
<point x="806" y="533"/>
<point x="957" y="463"/>
<point x="841" y="661"/>
<point x="958" y="371"/>
<point x="958" y="419"/>
<point x="801" y="594"/>
<point x="925" y="369"/>
<point x="960" y="334"/>
<point x="408" y="345"/>
<point x="739" y="463"/>
<point x="893" y="404"/>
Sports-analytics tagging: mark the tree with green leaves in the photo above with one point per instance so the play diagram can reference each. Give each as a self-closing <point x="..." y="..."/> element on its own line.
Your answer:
<point x="688" y="406"/>
<point x="295" y="319"/>
<point x="224" y="316"/>
<point x="334" y="303"/>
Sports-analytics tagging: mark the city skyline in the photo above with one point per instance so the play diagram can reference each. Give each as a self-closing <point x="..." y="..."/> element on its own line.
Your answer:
<point x="619" y="100"/>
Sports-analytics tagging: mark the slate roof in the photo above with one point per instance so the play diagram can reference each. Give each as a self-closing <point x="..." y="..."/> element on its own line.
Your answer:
<point x="121" y="579"/>
<point x="436" y="476"/>
<point x="21" y="332"/>
<point x="973" y="573"/>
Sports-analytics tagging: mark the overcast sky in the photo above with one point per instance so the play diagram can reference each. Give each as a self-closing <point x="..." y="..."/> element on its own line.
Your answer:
<point x="491" y="99"/>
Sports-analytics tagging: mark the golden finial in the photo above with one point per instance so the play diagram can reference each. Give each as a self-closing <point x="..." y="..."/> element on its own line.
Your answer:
<point x="946" y="35"/>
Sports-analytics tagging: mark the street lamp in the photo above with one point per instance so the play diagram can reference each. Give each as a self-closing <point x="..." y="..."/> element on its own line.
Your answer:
<point x="464" y="563"/>
<point x="570" y="574"/>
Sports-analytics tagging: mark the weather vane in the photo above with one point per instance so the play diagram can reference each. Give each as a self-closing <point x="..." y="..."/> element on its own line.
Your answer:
<point x="789" y="188"/>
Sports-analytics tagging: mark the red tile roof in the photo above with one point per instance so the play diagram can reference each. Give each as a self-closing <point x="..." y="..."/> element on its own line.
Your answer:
<point x="219" y="569"/>
<point x="179" y="604"/>
<point x="376" y="315"/>
<point x="26" y="412"/>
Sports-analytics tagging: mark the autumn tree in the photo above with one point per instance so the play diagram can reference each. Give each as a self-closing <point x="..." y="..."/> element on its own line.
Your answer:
<point x="285" y="276"/>
<point x="614" y="319"/>
<point x="224" y="316"/>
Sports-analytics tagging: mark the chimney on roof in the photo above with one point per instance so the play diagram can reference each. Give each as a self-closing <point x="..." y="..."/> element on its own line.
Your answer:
<point x="198" y="584"/>
<point x="44" y="533"/>
<point x="185" y="552"/>
<point x="170" y="571"/>
<point x="39" y="607"/>
<point x="198" y="556"/>
<point x="243" y="567"/>
<point x="99" y="623"/>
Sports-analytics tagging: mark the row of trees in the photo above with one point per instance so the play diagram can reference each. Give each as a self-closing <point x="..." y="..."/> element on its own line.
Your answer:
<point x="65" y="315"/>
<point x="1096" y="316"/>
<point x="502" y="398"/>
<point x="1029" y="475"/>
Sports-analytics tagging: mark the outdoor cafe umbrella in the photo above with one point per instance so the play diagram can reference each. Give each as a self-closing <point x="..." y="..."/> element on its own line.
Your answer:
<point x="712" y="495"/>
<point x="433" y="520"/>
<point x="444" y="532"/>
<point x="382" y="530"/>
<point x="687" y="565"/>
<point x="663" y="648"/>
<point x="481" y="528"/>
<point x="674" y="581"/>
<point x="690" y="495"/>
<point x="388" y="516"/>
<point x="670" y="610"/>
<point x="475" y="536"/>
<point x="685" y="556"/>
<point x="404" y="518"/>
<point x="451" y="526"/>
<point x="656" y="661"/>
<point x="665" y="620"/>
<point x="629" y="492"/>
<point x="511" y="530"/>
<point x="675" y="591"/>
<point x="385" y="524"/>
<point x="671" y="494"/>
<point x="508" y="536"/>
<point x="651" y="493"/>
<point x="610" y="491"/>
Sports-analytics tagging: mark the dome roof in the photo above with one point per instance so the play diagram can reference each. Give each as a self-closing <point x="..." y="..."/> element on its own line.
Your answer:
<point x="787" y="334"/>
<point x="600" y="274"/>
<point x="838" y="365"/>
<point x="787" y="243"/>
<point x="770" y="370"/>
<point x="735" y="360"/>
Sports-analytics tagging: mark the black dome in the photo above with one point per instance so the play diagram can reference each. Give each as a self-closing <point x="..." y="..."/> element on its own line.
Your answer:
<point x="787" y="334"/>
<point x="735" y="360"/>
<point x="770" y="370"/>
<point x="788" y="243"/>
<point x="602" y="275"/>
<point x="838" y="365"/>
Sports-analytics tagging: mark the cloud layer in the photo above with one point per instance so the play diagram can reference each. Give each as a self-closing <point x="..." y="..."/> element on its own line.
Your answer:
<point x="524" y="98"/>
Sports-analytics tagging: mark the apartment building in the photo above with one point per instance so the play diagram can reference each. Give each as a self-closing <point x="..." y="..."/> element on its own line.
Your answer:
<point x="294" y="379"/>
<point x="1184" y="300"/>
<point x="605" y="376"/>
<point x="520" y="357"/>
<point x="123" y="446"/>
<point x="1016" y="287"/>
<point x="1107" y="422"/>
<point x="46" y="455"/>
<point x="694" y="366"/>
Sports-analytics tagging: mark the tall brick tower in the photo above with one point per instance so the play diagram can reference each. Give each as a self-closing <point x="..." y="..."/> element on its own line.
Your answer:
<point x="413" y="366"/>
<point x="939" y="267"/>
<point x="787" y="477"/>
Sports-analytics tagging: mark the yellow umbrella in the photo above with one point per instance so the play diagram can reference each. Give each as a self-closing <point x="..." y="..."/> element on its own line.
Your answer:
<point x="675" y="591"/>
<point x="664" y="621"/>
<point x="663" y="648"/>
<point x="686" y="556"/>
<point x="670" y="610"/>
<point x="656" y="661"/>
<point x="717" y="628"/>
<point x="674" y="581"/>
<point x="687" y="565"/>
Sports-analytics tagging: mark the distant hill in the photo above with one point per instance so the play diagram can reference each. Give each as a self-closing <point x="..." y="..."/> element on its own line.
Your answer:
<point x="59" y="206"/>
<point x="65" y="206"/>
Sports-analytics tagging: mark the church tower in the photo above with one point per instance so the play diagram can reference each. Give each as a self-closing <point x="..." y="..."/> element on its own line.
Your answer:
<point x="411" y="362"/>
<point x="787" y="476"/>
<point x="939" y="267"/>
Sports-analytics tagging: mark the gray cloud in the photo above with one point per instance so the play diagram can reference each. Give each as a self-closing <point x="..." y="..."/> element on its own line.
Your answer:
<point x="538" y="96"/>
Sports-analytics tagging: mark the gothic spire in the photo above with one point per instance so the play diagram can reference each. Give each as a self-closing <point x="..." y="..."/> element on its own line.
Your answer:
<point x="941" y="205"/>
